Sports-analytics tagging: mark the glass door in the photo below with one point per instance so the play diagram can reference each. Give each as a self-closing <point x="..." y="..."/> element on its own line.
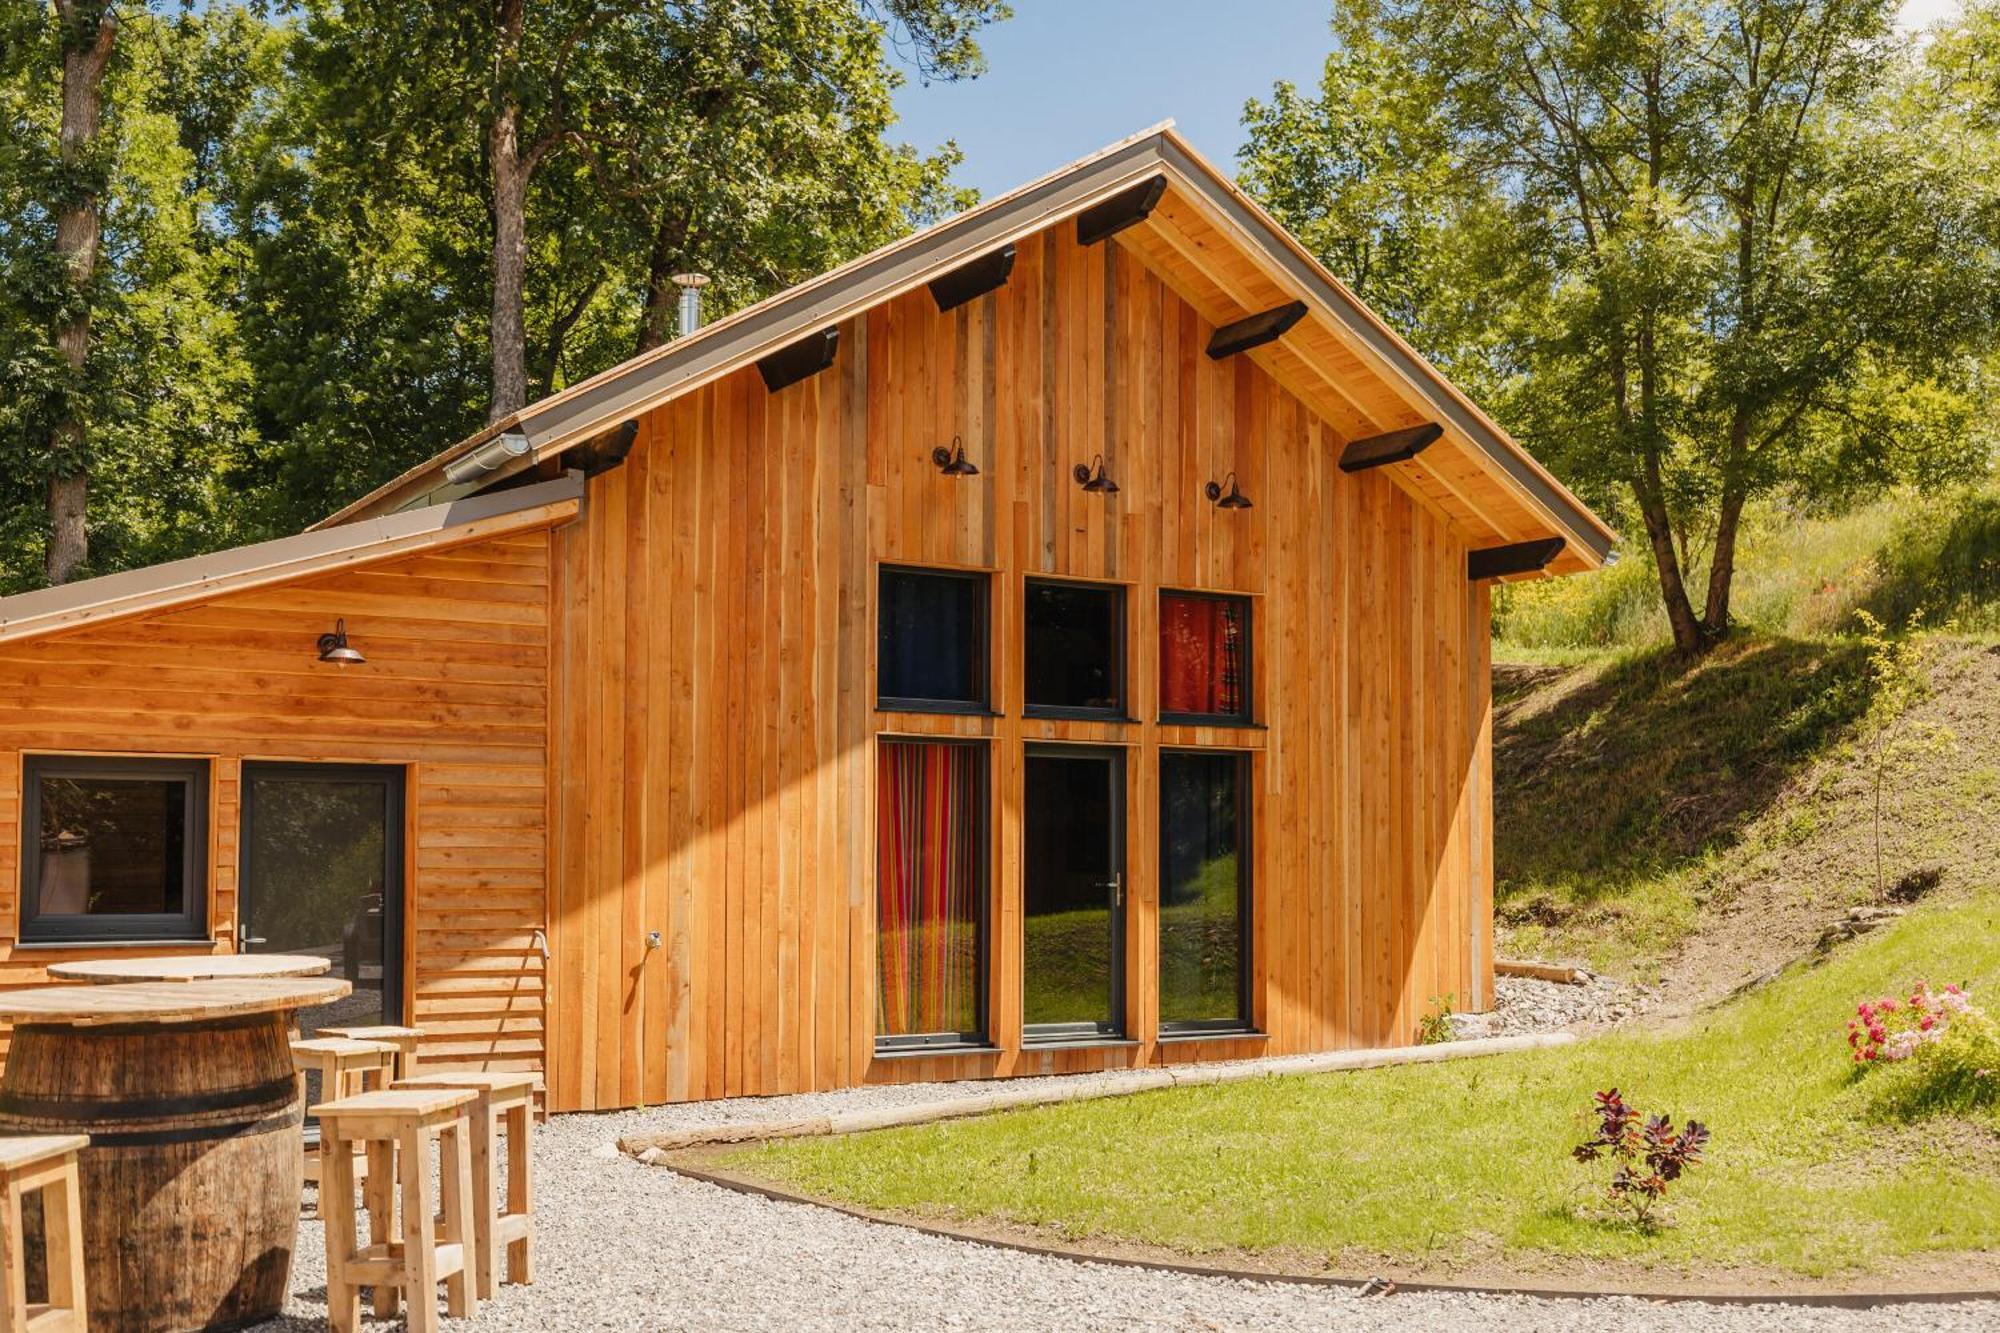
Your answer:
<point x="322" y="873"/>
<point x="1073" y="892"/>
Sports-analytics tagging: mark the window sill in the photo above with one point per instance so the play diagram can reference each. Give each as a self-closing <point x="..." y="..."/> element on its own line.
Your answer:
<point x="933" y="710"/>
<point x="1076" y="1043"/>
<point x="1217" y="1034"/>
<point x="1207" y="720"/>
<point x="922" y="1052"/>
<point x="86" y="945"/>
<point x="1047" y="713"/>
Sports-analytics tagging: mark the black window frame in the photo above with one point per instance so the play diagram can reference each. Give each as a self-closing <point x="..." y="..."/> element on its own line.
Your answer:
<point x="1247" y="715"/>
<point x="1245" y="1023"/>
<point x="1121" y="659"/>
<point x="980" y="1039"/>
<point x="982" y="648"/>
<point x="1117" y="1028"/>
<point x="188" y="926"/>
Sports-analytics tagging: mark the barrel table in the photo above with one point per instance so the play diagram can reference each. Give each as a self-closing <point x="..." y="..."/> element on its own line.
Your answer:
<point x="201" y="967"/>
<point x="191" y="1181"/>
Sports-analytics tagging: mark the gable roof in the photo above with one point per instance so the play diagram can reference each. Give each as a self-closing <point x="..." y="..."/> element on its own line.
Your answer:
<point x="179" y="583"/>
<point x="1211" y="243"/>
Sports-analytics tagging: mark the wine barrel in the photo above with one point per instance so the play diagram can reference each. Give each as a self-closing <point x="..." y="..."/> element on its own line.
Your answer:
<point x="191" y="1183"/>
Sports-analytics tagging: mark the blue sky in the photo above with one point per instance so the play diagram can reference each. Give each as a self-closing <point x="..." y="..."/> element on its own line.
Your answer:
<point x="1066" y="77"/>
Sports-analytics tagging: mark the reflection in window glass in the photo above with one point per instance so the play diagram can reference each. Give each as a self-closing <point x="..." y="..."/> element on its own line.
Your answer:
<point x="931" y="641"/>
<point x="1203" y="877"/>
<point x="117" y="849"/>
<point x="1075" y="647"/>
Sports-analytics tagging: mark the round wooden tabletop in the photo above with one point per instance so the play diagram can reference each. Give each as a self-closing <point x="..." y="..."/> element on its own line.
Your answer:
<point x="202" y="967"/>
<point x="167" y="1001"/>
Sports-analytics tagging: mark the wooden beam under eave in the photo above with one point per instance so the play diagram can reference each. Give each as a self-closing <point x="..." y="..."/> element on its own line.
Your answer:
<point x="968" y="282"/>
<point x="1126" y="208"/>
<point x="800" y="360"/>
<point x="1396" y="446"/>
<point x="1266" y="326"/>
<point x="1497" y="562"/>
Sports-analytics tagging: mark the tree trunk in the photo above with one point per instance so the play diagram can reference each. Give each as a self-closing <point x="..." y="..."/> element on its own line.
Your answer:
<point x="89" y="31"/>
<point x="509" y="173"/>
<point x="657" y="315"/>
<point x="1688" y="636"/>
<point x="1722" y="567"/>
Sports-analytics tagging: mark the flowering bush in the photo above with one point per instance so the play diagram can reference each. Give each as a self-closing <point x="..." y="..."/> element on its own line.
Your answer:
<point x="1892" y="1029"/>
<point x="1630" y="1145"/>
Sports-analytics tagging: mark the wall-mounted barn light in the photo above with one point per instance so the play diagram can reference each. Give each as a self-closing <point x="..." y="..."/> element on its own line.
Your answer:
<point x="335" y="648"/>
<point x="1091" y="477"/>
<point x="1234" y="499"/>
<point x="951" y="460"/>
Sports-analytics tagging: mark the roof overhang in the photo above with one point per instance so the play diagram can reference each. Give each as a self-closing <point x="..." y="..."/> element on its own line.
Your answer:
<point x="1342" y="360"/>
<point x="363" y="542"/>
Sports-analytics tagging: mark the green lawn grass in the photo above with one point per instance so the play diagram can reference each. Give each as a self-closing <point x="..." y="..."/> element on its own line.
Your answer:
<point x="1808" y="1172"/>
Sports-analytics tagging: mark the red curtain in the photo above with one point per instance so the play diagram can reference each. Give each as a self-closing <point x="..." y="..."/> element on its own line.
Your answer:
<point x="927" y="887"/>
<point x="1201" y="656"/>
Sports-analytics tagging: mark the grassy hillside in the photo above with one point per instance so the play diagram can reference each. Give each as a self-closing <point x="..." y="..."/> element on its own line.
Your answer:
<point x="1812" y="1169"/>
<point x="1651" y="814"/>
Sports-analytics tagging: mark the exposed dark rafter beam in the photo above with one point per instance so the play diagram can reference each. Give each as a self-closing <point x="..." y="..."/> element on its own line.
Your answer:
<point x="608" y="450"/>
<point x="1397" y="446"/>
<point x="1255" y="330"/>
<point x="1120" y="211"/>
<point x="801" y="360"/>
<point x="964" y="283"/>
<point x="1520" y="558"/>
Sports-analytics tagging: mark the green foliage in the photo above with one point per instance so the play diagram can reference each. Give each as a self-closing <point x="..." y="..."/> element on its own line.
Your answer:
<point x="1691" y="255"/>
<point x="1803" y="1179"/>
<point x="1435" y="1024"/>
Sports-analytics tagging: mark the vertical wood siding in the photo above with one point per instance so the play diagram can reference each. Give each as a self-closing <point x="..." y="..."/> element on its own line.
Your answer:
<point x="714" y="725"/>
<point x="455" y="687"/>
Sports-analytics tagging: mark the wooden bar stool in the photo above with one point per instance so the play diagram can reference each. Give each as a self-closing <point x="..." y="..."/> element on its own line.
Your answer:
<point x="346" y="1067"/>
<point x="396" y="1128"/>
<point x="44" y="1162"/>
<point x="501" y="1221"/>
<point x="403" y="1039"/>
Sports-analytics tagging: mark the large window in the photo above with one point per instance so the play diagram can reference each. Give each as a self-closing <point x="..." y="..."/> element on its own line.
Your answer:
<point x="1204" y="891"/>
<point x="1204" y="658"/>
<point x="1075" y="650"/>
<point x="931" y="641"/>
<point x="117" y="849"/>
<point x="930" y="889"/>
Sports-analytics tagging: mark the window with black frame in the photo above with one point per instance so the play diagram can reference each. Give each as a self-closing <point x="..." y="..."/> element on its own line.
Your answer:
<point x="1204" y="658"/>
<point x="930" y="893"/>
<point x="931" y="641"/>
<point x="1075" y="648"/>
<point x="1204" y="891"/>
<point x="116" y="849"/>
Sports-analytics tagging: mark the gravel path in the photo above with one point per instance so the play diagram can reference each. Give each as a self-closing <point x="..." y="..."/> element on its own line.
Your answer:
<point x="625" y="1246"/>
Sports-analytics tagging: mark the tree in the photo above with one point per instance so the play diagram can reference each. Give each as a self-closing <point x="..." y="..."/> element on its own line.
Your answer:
<point x="504" y="90"/>
<point x="1706" y="256"/>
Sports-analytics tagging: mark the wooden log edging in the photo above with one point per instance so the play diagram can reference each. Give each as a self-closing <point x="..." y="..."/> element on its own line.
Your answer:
<point x="1360" y="1286"/>
<point x="1568" y="976"/>
<point x="1085" y="1088"/>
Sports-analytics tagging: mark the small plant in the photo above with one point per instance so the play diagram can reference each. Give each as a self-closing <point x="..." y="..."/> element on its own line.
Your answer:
<point x="1435" y="1026"/>
<point x="1898" y="678"/>
<point x="1646" y="1156"/>
<point x="1891" y="1029"/>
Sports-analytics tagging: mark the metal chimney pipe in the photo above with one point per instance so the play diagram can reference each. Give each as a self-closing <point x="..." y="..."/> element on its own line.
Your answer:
<point x="690" y="285"/>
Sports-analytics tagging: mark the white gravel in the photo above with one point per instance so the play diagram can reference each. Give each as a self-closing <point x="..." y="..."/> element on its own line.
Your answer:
<point x="1527" y="1004"/>
<point x="625" y="1246"/>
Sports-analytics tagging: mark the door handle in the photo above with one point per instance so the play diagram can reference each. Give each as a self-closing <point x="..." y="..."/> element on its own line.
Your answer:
<point x="1117" y="886"/>
<point x="245" y="939"/>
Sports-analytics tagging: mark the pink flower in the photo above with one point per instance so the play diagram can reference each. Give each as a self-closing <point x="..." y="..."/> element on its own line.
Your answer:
<point x="1926" y="1023"/>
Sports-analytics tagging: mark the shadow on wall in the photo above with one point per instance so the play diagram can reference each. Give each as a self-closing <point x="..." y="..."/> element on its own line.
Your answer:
<point x="1649" y="761"/>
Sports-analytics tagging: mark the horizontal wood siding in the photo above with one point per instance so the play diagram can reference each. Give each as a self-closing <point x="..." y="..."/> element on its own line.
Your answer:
<point x="714" y="652"/>
<point x="455" y="687"/>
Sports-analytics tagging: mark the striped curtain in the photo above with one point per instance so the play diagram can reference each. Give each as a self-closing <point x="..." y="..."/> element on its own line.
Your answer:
<point x="927" y="887"/>
<point x="1201" y="656"/>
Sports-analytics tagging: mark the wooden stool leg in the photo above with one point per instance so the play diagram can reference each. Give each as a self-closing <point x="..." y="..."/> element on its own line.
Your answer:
<point x="336" y="1212"/>
<point x="521" y="1192"/>
<point x="62" y="1214"/>
<point x="14" y="1301"/>
<point x="378" y="1190"/>
<point x="455" y="1175"/>
<point x="485" y="1196"/>
<point x="419" y="1234"/>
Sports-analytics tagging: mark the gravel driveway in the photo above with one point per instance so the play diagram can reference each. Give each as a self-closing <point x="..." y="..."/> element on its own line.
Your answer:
<point x="626" y="1246"/>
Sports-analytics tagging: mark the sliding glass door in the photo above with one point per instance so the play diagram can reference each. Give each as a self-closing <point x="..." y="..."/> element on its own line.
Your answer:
<point x="1073" y="891"/>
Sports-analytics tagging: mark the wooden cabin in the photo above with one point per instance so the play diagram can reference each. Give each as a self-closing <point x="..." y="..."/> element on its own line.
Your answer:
<point x="1055" y="641"/>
